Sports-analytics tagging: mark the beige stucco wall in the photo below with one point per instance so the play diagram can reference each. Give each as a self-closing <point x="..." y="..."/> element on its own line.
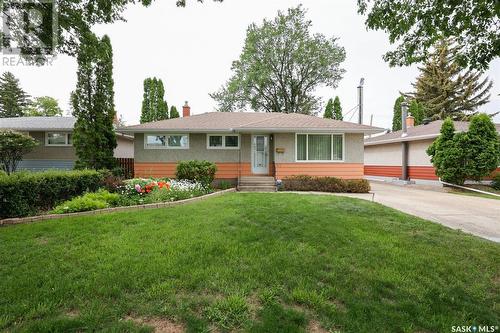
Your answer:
<point x="353" y="147"/>
<point x="388" y="154"/>
<point x="197" y="151"/>
<point x="43" y="152"/>
<point x="417" y="155"/>
<point x="124" y="148"/>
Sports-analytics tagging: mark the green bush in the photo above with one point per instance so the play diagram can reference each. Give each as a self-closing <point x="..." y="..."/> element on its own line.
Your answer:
<point x="496" y="181"/>
<point x="29" y="193"/>
<point x="89" y="201"/>
<point x="199" y="171"/>
<point x="325" y="184"/>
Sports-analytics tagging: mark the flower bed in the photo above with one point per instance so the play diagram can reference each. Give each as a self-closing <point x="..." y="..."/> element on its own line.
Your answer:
<point x="137" y="191"/>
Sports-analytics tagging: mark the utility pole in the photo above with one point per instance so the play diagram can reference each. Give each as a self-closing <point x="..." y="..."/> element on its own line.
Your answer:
<point x="360" y="100"/>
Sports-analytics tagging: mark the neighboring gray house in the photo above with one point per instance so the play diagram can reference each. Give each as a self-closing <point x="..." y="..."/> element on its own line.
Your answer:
<point x="55" y="136"/>
<point x="246" y="144"/>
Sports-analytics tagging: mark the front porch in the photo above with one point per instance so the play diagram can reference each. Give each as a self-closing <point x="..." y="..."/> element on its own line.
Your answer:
<point x="257" y="184"/>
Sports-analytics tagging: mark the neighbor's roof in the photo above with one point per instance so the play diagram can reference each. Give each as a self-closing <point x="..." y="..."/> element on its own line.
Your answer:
<point x="420" y="132"/>
<point x="38" y="123"/>
<point x="250" y="122"/>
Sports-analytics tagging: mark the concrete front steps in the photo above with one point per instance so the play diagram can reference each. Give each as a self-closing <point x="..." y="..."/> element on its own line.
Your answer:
<point x="257" y="184"/>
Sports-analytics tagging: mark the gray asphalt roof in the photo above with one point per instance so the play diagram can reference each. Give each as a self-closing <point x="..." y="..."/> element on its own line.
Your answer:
<point x="419" y="132"/>
<point x="250" y="121"/>
<point x="38" y="123"/>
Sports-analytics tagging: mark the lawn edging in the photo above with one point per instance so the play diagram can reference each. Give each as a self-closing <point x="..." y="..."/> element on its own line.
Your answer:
<point x="39" y="218"/>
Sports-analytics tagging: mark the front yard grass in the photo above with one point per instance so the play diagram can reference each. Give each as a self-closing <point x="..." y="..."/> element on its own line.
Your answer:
<point x="250" y="263"/>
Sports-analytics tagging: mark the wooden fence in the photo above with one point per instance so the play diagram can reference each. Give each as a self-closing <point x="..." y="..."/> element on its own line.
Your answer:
<point x="127" y="165"/>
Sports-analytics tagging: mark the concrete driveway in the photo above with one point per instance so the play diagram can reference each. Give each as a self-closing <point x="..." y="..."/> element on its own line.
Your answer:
<point x="475" y="215"/>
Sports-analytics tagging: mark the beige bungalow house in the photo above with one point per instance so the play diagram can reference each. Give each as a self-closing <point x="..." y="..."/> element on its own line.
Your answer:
<point x="55" y="144"/>
<point x="243" y="144"/>
<point x="385" y="156"/>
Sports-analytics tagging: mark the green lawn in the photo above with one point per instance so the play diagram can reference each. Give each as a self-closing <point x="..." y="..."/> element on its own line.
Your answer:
<point x="247" y="262"/>
<point x="477" y="194"/>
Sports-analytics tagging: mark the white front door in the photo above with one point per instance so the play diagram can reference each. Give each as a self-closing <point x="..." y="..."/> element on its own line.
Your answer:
<point x="260" y="154"/>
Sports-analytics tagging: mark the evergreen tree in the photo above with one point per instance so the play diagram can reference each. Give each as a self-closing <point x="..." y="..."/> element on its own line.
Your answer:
<point x="483" y="147"/>
<point x="396" y="119"/>
<point x="93" y="105"/>
<point x="13" y="99"/>
<point x="337" y="109"/>
<point x="173" y="112"/>
<point x="329" y="109"/>
<point x="447" y="154"/>
<point x="417" y="111"/>
<point x="154" y="107"/>
<point x="447" y="90"/>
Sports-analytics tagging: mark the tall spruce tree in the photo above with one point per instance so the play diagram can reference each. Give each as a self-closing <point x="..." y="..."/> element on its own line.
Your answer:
<point x="173" y="112"/>
<point x="396" y="118"/>
<point x="154" y="107"/>
<point x="13" y="99"/>
<point x="337" y="109"/>
<point x="445" y="89"/>
<point x="329" y="109"/>
<point x="93" y="105"/>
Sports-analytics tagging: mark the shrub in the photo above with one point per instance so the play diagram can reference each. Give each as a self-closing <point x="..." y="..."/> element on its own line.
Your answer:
<point x="496" y="181"/>
<point x="13" y="146"/>
<point x="28" y="193"/>
<point x="325" y="184"/>
<point x="198" y="171"/>
<point x="90" y="201"/>
<point x="224" y="185"/>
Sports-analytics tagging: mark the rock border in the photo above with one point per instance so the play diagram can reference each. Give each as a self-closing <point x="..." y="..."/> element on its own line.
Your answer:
<point x="39" y="218"/>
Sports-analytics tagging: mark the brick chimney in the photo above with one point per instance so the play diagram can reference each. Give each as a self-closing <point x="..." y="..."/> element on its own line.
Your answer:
<point x="186" y="110"/>
<point x="410" y="121"/>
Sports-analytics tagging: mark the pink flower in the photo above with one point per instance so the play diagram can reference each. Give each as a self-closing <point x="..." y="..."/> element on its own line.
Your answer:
<point x="138" y="188"/>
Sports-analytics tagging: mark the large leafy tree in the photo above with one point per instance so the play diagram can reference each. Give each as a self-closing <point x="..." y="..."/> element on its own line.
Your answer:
<point x="396" y="117"/>
<point x="445" y="89"/>
<point x="93" y="105"/>
<point x="154" y="107"/>
<point x="13" y="99"/>
<point x="45" y="106"/>
<point x="13" y="146"/>
<point x="281" y="66"/>
<point x="416" y="25"/>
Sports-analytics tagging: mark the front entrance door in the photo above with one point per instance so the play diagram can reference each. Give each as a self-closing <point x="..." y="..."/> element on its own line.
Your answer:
<point x="260" y="154"/>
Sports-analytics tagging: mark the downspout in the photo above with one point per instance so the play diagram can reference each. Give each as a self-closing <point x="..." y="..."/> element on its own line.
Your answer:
<point x="404" y="144"/>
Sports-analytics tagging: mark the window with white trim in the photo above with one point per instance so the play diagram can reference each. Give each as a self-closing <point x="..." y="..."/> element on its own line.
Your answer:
<point x="319" y="147"/>
<point x="58" y="139"/>
<point x="223" y="141"/>
<point x="166" y="141"/>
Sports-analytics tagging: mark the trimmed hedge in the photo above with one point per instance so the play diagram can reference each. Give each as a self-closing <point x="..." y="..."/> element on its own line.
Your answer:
<point x="325" y="184"/>
<point x="197" y="171"/>
<point x="28" y="193"/>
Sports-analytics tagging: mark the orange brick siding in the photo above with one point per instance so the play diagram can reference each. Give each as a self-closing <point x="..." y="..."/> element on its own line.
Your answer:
<point x="340" y="170"/>
<point x="224" y="170"/>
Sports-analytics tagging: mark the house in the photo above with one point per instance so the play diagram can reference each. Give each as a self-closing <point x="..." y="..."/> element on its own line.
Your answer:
<point x="386" y="155"/>
<point x="55" y="149"/>
<point x="251" y="144"/>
